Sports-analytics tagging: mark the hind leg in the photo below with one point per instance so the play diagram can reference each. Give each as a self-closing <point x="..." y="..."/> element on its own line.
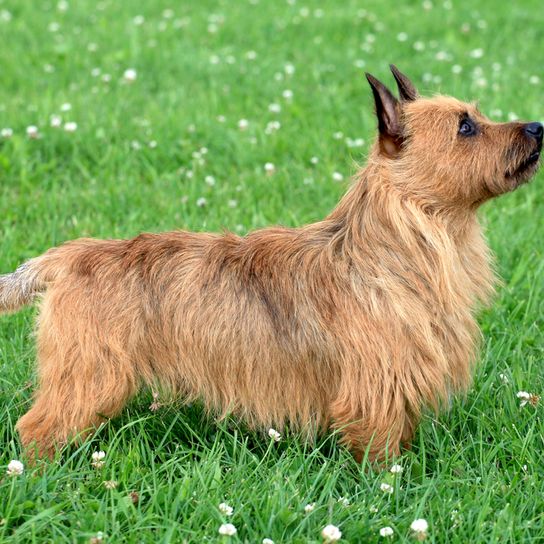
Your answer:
<point x="84" y="378"/>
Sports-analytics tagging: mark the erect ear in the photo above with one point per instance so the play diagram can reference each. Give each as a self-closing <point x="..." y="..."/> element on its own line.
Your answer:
<point x="407" y="91"/>
<point x="388" y="113"/>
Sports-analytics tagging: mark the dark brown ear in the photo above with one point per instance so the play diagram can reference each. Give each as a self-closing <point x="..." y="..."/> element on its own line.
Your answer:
<point x="388" y="113"/>
<point x="407" y="91"/>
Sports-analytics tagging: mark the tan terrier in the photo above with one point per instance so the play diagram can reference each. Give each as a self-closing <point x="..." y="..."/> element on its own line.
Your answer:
<point x="357" y="322"/>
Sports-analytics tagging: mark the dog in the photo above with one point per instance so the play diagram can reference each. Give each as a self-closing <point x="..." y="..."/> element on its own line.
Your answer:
<point x="357" y="323"/>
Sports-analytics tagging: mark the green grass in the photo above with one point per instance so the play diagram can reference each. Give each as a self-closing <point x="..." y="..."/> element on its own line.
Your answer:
<point x="475" y="473"/>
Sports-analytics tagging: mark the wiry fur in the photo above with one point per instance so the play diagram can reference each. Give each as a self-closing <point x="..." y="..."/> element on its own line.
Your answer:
<point x="356" y="322"/>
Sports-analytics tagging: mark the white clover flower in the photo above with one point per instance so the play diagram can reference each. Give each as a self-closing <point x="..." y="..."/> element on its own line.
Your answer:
<point x="402" y="36"/>
<point x="136" y="145"/>
<point x="221" y="118"/>
<point x="512" y="116"/>
<point x="314" y="160"/>
<point x="355" y="142"/>
<point x="32" y="132"/>
<point x="95" y="72"/>
<point x="243" y="124"/>
<point x="15" y="468"/>
<point x="269" y="168"/>
<point x="110" y="484"/>
<point x="225" y="509"/>
<point x="274" y="108"/>
<point x="396" y="469"/>
<point x="6" y="133"/>
<point x="168" y="13"/>
<point x="272" y="126"/>
<point x="373" y="509"/>
<point x="289" y="69"/>
<point x="337" y="176"/>
<point x="106" y="78"/>
<point x="5" y="16"/>
<point x="53" y="26"/>
<point x="310" y="507"/>
<point x="275" y="435"/>
<point x="227" y="529"/>
<point x="534" y="80"/>
<point x="152" y="144"/>
<point x="138" y="20"/>
<point x="71" y="126"/>
<point x="526" y="398"/>
<point x="287" y="94"/>
<point x="338" y="135"/>
<point x="251" y="55"/>
<point x="66" y="107"/>
<point x="201" y="202"/>
<point x="62" y="5"/>
<point x="344" y="501"/>
<point x="502" y="377"/>
<point x="232" y="203"/>
<point x="477" y="53"/>
<point x="267" y="541"/>
<point x="98" y="459"/>
<point x="386" y="488"/>
<point x="331" y="533"/>
<point x="456" y="69"/>
<point x="209" y="180"/>
<point x="98" y="455"/>
<point x="92" y="47"/>
<point x="130" y="75"/>
<point x="419" y="526"/>
<point x="386" y="532"/>
<point x="419" y="46"/>
<point x="214" y="59"/>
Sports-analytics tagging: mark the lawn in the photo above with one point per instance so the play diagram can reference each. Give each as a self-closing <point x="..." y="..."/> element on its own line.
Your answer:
<point x="237" y="114"/>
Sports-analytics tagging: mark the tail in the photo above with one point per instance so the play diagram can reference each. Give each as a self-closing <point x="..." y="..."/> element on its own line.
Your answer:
<point x="21" y="287"/>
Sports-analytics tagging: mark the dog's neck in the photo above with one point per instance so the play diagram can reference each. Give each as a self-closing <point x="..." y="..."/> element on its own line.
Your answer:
<point x="374" y="189"/>
<point x="444" y="247"/>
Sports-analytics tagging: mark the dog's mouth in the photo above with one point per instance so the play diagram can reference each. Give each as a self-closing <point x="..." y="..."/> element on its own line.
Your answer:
<point x="525" y="169"/>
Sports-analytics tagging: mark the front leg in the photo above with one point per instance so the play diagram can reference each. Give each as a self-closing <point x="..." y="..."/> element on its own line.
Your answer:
<point x="377" y="421"/>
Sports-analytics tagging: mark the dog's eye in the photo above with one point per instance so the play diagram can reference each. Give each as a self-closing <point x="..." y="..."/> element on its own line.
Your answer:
<point x="466" y="127"/>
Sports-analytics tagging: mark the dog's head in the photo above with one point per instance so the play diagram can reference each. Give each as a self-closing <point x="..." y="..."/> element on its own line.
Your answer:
<point x="445" y="151"/>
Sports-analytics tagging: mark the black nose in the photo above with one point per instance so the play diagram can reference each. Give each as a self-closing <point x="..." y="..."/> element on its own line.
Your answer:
<point x="534" y="130"/>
